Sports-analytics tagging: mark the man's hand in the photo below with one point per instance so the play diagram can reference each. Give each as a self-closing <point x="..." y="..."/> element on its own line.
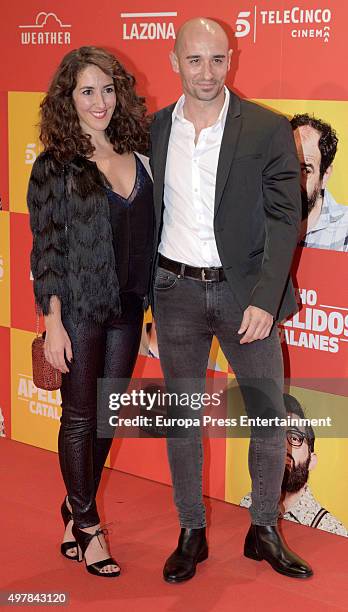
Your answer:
<point x="256" y="324"/>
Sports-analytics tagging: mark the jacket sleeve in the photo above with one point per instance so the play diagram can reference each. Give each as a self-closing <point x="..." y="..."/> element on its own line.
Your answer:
<point x="282" y="206"/>
<point x="47" y="210"/>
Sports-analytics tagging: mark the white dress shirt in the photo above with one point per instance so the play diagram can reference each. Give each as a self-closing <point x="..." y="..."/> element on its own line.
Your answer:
<point x="189" y="190"/>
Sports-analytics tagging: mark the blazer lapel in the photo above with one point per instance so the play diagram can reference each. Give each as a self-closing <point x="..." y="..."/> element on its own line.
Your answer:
<point x="228" y="147"/>
<point x="160" y="142"/>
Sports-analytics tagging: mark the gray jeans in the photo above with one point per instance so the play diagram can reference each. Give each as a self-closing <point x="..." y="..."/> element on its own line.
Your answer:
<point x="188" y="314"/>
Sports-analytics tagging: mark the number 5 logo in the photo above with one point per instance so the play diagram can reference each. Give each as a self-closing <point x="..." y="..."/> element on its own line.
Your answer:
<point x="242" y="24"/>
<point x="30" y="153"/>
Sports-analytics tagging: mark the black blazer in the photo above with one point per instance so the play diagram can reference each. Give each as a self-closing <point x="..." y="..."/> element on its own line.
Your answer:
<point x="257" y="202"/>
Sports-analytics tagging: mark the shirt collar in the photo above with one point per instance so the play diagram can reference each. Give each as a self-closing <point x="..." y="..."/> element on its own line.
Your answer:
<point x="178" y="112"/>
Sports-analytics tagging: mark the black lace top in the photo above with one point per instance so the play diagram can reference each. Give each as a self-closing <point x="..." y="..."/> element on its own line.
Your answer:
<point x="132" y="222"/>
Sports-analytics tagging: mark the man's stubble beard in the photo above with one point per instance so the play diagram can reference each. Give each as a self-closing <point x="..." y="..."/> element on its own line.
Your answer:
<point x="308" y="202"/>
<point x="210" y="96"/>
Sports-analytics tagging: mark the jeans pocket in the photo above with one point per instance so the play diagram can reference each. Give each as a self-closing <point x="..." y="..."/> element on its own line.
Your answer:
<point x="164" y="279"/>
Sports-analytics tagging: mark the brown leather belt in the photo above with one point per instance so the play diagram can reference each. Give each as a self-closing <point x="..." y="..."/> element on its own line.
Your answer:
<point x="181" y="269"/>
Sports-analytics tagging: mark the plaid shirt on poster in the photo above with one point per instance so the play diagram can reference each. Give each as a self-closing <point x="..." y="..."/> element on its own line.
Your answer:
<point x="331" y="229"/>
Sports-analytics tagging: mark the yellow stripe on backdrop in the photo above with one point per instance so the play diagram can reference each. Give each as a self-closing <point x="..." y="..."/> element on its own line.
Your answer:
<point x="35" y="413"/>
<point x="23" y="111"/>
<point x="23" y="140"/>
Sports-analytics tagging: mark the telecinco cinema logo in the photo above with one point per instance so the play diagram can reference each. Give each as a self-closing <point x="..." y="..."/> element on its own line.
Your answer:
<point x="48" y="29"/>
<point x="303" y="23"/>
<point x="148" y="26"/>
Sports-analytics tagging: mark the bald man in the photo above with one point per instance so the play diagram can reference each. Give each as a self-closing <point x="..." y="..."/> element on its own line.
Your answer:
<point x="228" y="211"/>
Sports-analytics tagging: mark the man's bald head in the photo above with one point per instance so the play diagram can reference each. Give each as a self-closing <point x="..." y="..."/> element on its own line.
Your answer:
<point x="202" y="58"/>
<point x="199" y="26"/>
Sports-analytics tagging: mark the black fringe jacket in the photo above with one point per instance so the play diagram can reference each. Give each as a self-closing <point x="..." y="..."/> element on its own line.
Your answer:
<point x="72" y="255"/>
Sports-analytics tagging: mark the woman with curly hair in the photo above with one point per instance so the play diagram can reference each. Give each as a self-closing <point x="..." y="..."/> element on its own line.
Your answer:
<point x="91" y="215"/>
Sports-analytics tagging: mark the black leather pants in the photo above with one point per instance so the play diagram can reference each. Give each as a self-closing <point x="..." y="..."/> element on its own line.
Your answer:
<point x="107" y="350"/>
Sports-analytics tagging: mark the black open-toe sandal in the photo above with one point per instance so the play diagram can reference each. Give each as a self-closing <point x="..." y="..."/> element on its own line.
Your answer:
<point x="83" y="539"/>
<point x="66" y="546"/>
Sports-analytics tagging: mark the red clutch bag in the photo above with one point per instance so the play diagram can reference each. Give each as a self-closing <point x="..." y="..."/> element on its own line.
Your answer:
<point x="45" y="376"/>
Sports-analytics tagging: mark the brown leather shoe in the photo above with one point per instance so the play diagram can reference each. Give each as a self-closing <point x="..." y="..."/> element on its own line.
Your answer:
<point x="192" y="549"/>
<point x="267" y="543"/>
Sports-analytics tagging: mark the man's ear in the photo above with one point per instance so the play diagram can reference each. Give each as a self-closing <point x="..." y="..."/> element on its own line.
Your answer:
<point x="313" y="462"/>
<point x="174" y="61"/>
<point x="326" y="176"/>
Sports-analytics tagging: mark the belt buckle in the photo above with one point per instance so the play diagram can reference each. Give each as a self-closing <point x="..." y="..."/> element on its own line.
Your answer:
<point x="213" y="273"/>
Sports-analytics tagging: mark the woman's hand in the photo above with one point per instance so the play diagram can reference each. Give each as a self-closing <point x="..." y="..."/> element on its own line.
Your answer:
<point x="57" y="341"/>
<point x="57" y="344"/>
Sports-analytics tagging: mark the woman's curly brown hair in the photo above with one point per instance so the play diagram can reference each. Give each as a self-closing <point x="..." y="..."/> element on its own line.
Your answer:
<point x="60" y="130"/>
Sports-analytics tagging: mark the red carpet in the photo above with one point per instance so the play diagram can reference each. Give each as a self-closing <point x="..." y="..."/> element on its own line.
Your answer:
<point x="143" y="534"/>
